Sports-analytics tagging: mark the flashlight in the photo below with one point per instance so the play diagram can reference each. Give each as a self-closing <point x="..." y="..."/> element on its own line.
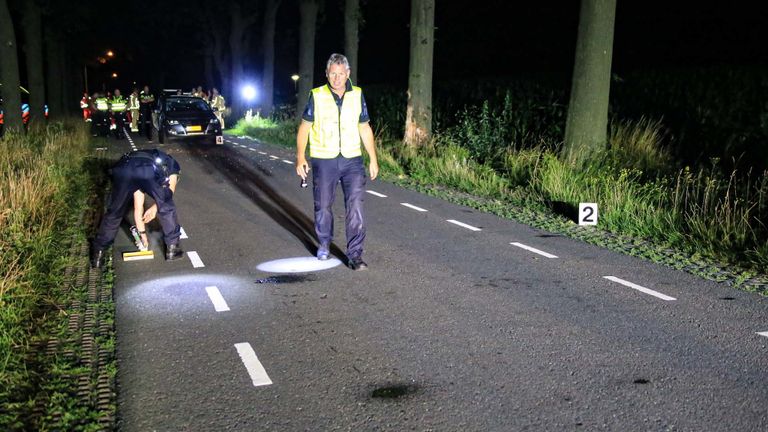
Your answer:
<point x="303" y="182"/>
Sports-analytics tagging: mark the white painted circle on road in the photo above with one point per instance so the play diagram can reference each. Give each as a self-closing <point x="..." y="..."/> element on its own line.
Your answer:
<point x="298" y="265"/>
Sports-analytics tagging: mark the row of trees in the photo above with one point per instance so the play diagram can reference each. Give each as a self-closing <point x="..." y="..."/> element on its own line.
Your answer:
<point x="226" y="40"/>
<point x="586" y="125"/>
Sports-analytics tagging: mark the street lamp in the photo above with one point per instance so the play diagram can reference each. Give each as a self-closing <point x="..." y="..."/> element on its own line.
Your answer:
<point x="114" y="74"/>
<point x="295" y="79"/>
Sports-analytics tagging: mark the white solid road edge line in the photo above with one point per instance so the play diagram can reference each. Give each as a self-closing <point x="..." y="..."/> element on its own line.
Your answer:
<point x="217" y="299"/>
<point x="463" y="225"/>
<point x="374" y="193"/>
<point x="640" y="288"/>
<point x="534" y="250"/>
<point x="252" y="364"/>
<point x="195" y="259"/>
<point x="411" y="206"/>
<point x="183" y="233"/>
<point x="765" y="333"/>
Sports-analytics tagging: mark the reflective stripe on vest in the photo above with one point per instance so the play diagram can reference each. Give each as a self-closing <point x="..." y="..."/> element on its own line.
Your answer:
<point x="335" y="132"/>
<point x="101" y="104"/>
<point x="118" y="104"/>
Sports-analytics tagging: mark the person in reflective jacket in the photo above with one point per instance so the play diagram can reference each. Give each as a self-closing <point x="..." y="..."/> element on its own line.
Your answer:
<point x="152" y="172"/>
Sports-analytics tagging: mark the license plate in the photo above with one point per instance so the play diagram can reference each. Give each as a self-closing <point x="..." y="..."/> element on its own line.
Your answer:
<point x="194" y="128"/>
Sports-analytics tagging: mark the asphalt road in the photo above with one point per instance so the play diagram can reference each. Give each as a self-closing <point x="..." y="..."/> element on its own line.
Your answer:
<point x="453" y="327"/>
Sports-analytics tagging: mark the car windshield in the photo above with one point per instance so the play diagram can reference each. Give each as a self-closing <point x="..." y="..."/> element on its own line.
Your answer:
<point x="186" y="104"/>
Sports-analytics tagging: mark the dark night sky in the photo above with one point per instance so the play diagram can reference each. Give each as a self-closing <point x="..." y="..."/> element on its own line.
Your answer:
<point x="473" y="39"/>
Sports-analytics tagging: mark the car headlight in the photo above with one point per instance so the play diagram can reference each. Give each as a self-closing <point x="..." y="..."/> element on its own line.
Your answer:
<point x="213" y="121"/>
<point x="173" y="122"/>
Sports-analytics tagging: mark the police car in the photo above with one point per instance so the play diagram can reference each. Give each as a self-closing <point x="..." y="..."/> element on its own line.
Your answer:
<point x="186" y="117"/>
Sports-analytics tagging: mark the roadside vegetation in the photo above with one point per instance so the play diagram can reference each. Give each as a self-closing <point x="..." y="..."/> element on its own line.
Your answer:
<point x="44" y="192"/>
<point x="684" y="167"/>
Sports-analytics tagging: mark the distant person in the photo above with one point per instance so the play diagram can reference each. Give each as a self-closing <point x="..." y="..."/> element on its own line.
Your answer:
<point x="152" y="172"/>
<point x="146" y="103"/>
<point x="334" y="122"/>
<point x="218" y="105"/>
<point x="118" y="106"/>
<point x="134" y="106"/>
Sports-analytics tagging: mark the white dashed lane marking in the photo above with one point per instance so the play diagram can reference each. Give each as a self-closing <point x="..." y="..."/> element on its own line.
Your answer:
<point x="251" y="149"/>
<point x="463" y="225"/>
<point x="534" y="250"/>
<point x="195" y="259"/>
<point x="252" y="364"/>
<point x="374" y="193"/>
<point x="262" y="153"/>
<point x="219" y="304"/>
<point x="273" y="157"/>
<point x="287" y="161"/>
<point x="765" y="333"/>
<point x="411" y="206"/>
<point x="640" y="288"/>
<point x="183" y="233"/>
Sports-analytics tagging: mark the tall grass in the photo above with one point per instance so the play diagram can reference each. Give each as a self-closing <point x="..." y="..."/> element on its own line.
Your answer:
<point x="502" y="140"/>
<point x="37" y="173"/>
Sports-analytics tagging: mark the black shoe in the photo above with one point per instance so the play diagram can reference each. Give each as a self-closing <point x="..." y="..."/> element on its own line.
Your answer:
<point x="173" y="252"/>
<point x="357" y="264"/>
<point x="98" y="256"/>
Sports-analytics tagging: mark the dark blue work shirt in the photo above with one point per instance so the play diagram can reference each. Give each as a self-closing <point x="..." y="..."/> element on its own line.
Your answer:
<point x="309" y="109"/>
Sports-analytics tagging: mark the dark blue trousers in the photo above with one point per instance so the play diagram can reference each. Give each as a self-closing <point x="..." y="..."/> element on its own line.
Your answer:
<point x="128" y="176"/>
<point x="327" y="173"/>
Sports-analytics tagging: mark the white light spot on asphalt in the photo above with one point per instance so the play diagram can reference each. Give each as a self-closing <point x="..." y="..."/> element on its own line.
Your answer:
<point x="411" y="206"/>
<point x="297" y="265"/>
<point x="217" y="299"/>
<point x="640" y="288"/>
<point x="765" y="333"/>
<point x="287" y="161"/>
<point x="534" y="250"/>
<point x="463" y="225"/>
<point x="195" y="259"/>
<point x="374" y="193"/>
<point x="253" y="365"/>
<point x="183" y="233"/>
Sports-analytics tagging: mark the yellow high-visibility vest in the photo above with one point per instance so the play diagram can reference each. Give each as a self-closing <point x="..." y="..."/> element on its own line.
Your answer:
<point x="101" y="104"/>
<point x="335" y="131"/>
<point x="133" y="102"/>
<point x="117" y="104"/>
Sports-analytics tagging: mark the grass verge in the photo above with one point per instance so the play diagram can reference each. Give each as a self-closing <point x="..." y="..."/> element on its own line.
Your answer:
<point x="695" y="219"/>
<point x="47" y="179"/>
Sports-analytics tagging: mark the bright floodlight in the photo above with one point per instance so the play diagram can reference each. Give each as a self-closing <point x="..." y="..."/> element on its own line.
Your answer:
<point x="295" y="77"/>
<point x="249" y="92"/>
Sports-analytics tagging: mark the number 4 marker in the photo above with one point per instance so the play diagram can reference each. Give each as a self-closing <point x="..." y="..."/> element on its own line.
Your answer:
<point x="587" y="213"/>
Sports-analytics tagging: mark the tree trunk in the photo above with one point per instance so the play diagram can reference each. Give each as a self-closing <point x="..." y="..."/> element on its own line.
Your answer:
<point x="33" y="49"/>
<point x="587" y="123"/>
<point x="221" y="63"/>
<point x="308" y="11"/>
<point x="351" y="39"/>
<point x="9" y="71"/>
<point x="418" y="120"/>
<point x="268" y="73"/>
<point x="210" y="81"/>
<point x="53" y="49"/>
<point x="236" y="31"/>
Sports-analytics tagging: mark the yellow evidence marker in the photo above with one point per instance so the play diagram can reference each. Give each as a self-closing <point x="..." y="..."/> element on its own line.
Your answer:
<point x="138" y="255"/>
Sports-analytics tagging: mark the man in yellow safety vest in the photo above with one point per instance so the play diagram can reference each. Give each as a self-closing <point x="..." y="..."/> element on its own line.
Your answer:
<point x="334" y="123"/>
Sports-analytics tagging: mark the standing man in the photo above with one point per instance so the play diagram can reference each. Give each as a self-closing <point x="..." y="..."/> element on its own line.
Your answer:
<point x="152" y="172"/>
<point x="100" y="124"/>
<point x="133" y="107"/>
<point x="85" y="105"/>
<point x="218" y="105"/>
<point x="146" y="99"/>
<point x="117" y="106"/>
<point x="335" y="121"/>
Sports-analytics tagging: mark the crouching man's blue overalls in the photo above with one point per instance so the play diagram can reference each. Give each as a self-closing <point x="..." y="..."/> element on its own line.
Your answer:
<point x="147" y="171"/>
